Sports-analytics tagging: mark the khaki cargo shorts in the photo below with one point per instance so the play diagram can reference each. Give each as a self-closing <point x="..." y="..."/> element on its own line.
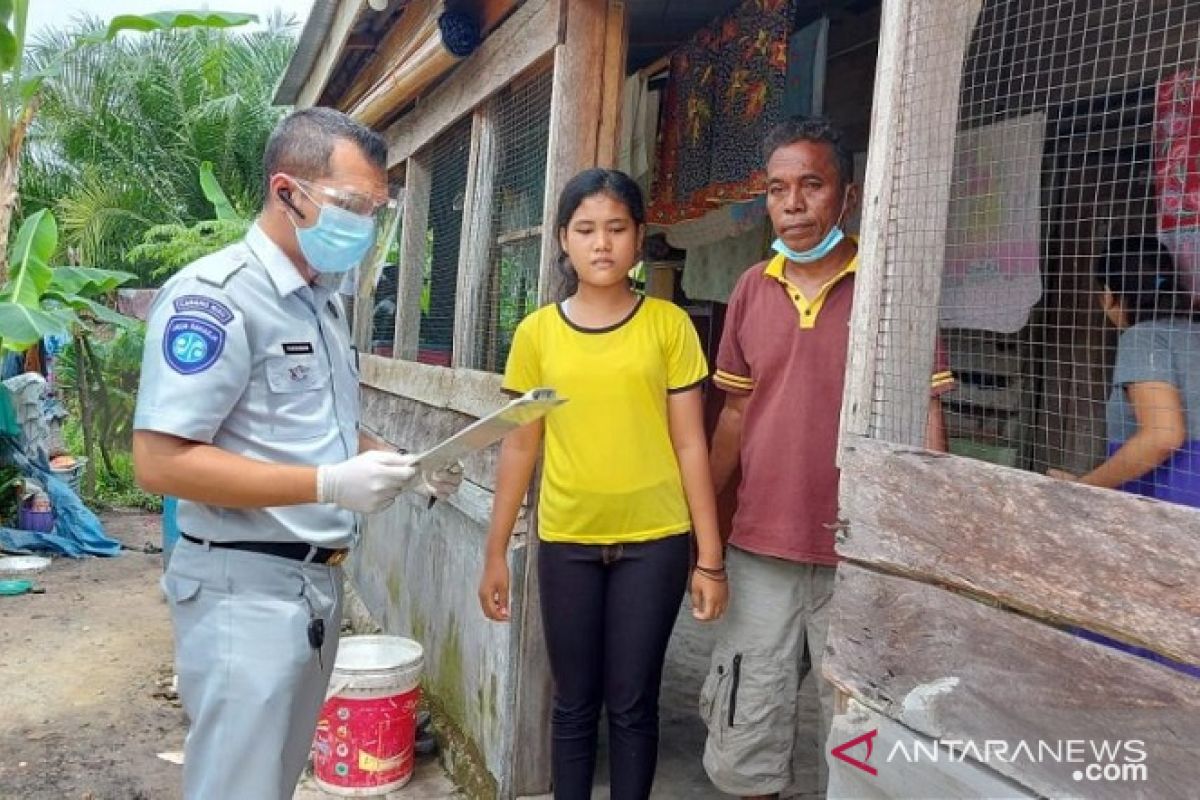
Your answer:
<point x="766" y="729"/>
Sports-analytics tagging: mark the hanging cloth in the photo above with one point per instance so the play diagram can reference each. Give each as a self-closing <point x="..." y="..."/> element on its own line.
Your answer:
<point x="725" y="90"/>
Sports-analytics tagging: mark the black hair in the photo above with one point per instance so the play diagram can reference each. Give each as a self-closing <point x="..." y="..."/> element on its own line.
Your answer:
<point x="1141" y="274"/>
<point x="302" y="143"/>
<point x="589" y="183"/>
<point x="812" y="129"/>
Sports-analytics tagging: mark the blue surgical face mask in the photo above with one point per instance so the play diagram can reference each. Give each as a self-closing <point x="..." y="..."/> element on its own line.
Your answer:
<point x="339" y="240"/>
<point x="822" y="248"/>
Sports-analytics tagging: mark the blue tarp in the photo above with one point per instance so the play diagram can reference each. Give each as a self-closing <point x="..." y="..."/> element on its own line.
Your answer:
<point x="77" y="531"/>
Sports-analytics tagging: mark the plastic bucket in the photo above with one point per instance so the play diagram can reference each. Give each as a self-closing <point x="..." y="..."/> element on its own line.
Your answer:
<point x="367" y="728"/>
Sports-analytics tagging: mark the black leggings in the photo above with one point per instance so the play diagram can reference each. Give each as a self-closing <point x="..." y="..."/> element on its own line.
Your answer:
<point x="608" y="612"/>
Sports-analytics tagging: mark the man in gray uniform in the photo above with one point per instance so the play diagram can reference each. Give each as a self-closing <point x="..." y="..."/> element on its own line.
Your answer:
<point x="248" y="412"/>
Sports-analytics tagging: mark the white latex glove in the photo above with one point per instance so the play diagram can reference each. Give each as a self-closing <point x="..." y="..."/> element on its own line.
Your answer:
<point x="368" y="482"/>
<point x="441" y="484"/>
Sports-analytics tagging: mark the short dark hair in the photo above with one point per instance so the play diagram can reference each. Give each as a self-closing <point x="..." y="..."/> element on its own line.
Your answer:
<point x="812" y="129"/>
<point x="589" y="183"/>
<point x="1140" y="272"/>
<point x="302" y="143"/>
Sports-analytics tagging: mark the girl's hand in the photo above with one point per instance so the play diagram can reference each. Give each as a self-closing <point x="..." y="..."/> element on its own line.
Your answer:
<point x="1062" y="475"/>
<point x="710" y="596"/>
<point x="493" y="589"/>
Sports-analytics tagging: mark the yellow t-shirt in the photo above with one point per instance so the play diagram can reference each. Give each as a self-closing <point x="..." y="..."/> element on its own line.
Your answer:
<point x="610" y="474"/>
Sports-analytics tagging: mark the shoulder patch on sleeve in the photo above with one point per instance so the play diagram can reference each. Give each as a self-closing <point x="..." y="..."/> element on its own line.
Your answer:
<point x="198" y="303"/>
<point x="191" y="344"/>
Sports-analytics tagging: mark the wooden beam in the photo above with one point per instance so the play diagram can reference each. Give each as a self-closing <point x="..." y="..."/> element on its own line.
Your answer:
<point x="898" y="777"/>
<point x="916" y="120"/>
<point x="961" y="671"/>
<point x="576" y="119"/>
<point x="475" y="242"/>
<point x="616" y="54"/>
<point x="348" y="14"/>
<point x="527" y="37"/>
<point x="466" y="391"/>
<point x="1108" y="561"/>
<point x="878" y="209"/>
<point x="413" y="243"/>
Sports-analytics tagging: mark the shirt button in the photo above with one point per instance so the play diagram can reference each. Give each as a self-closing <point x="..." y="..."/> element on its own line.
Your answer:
<point x="808" y="313"/>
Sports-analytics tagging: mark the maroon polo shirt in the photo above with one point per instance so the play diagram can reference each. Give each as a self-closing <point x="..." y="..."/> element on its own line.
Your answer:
<point x="788" y="353"/>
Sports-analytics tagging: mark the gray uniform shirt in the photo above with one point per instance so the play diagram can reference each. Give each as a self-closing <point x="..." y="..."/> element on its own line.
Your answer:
<point x="243" y="354"/>
<point x="1160" y="351"/>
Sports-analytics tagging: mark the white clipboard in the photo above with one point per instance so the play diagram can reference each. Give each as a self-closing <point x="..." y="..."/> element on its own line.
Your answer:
<point x="531" y="406"/>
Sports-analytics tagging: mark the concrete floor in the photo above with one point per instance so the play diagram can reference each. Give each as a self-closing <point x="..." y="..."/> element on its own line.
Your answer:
<point x="428" y="783"/>
<point x="681" y="774"/>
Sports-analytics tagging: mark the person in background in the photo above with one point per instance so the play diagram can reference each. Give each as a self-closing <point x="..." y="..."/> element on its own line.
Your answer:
<point x="248" y="412"/>
<point x="625" y="481"/>
<point x="1153" y="412"/>
<point x="782" y="363"/>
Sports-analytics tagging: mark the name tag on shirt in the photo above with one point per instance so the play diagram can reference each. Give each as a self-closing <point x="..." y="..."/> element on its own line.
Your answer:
<point x="298" y="348"/>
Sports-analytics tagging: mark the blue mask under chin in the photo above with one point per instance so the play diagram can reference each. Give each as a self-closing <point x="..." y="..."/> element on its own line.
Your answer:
<point x="822" y="249"/>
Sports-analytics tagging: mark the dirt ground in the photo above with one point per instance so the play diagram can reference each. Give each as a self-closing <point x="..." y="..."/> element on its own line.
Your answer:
<point x="83" y="671"/>
<point x="85" y="674"/>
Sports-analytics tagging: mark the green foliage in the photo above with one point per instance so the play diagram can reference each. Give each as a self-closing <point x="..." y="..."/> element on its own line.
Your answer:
<point x="38" y="300"/>
<point x="115" y="489"/>
<point x="172" y="247"/>
<point x="125" y="130"/>
<point x="214" y="194"/>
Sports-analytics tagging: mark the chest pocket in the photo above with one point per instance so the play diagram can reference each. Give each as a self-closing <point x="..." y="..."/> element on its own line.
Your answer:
<point x="299" y="397"/>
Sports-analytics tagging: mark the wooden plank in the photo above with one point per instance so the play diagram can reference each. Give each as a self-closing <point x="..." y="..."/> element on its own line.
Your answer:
<point x="521" y="235"/>
<point x="411" y="276"/>
<point x="466" y="391"/>
<point x="527" y="37"/>
<point x="576" y="111"/>
<point x="348" y="14"/>
<point x="534" y="692"/>
<point x="898" y="777"/>
<point x="878" y="215"/>
<point x="616" y="52"/>
<point x="1112" y="562"/>
<point x="961" y="671"/>
<point x="913" y="270"/>
<point x="475" y="242"/>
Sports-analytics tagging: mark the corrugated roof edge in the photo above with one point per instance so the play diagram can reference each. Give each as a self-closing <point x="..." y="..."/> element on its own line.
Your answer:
<point x="312" y="38"/>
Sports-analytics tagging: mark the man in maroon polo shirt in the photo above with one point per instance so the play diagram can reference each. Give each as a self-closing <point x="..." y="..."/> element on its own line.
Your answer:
<point x="782" y="364"/>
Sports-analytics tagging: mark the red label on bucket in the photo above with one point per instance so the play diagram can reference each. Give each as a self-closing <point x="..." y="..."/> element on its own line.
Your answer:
<point x="366" y="743"/>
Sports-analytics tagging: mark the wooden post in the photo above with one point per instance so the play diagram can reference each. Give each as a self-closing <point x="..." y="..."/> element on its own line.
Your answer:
<point x="584" y="112"/>
<point x="411" y="275"/>
<point x="584" y="125"/>
<point x="475" y="241"/>
<point x="914" y="123"/>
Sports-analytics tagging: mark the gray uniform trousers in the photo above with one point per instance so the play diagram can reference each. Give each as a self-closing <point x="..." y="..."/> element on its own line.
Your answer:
<point x="251" y="684"/>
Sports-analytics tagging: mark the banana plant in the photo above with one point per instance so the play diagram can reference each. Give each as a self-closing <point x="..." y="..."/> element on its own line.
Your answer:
<point x="21" y="86"/>
<point x="39" y="299"/>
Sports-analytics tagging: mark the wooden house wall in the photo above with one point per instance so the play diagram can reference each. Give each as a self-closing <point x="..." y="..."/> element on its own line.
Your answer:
<point x="955" y="613"/>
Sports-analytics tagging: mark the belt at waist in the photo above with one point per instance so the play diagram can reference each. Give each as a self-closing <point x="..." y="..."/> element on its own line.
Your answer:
<point x="297" y="551"/>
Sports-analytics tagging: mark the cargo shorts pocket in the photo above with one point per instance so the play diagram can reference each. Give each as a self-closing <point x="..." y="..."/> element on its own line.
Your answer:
<point x="749" y="709"/>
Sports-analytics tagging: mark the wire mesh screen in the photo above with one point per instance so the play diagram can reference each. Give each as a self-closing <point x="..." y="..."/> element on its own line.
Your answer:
<point x="522" y="134"/>
<point x="449" y="159"/>
<point x="382" y="295"/>
<point x="1061" y="195"/>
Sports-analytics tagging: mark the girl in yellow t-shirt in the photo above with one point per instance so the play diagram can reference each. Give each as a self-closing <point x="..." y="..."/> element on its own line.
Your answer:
<point x="624" y="482"/>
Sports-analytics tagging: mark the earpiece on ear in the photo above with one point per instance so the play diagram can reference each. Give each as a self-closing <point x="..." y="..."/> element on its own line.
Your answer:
<point x="285" y="196"/>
